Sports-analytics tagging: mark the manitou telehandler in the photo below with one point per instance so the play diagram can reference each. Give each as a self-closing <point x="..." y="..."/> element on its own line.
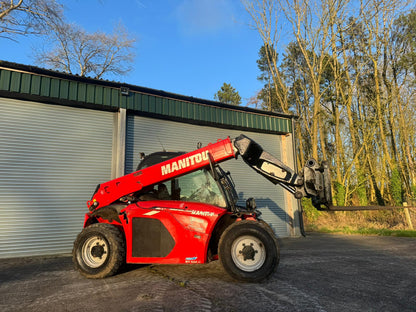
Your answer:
<point x="181" y="208"/>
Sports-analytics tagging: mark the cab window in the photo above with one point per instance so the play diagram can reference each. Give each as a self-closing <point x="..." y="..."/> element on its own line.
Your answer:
<point x="197" y="186"/>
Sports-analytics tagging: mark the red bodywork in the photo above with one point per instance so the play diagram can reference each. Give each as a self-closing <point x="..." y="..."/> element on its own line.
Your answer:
<point x="164" y="231"/>
<point x="134" y="182"/>
<point x="189" y="224"/>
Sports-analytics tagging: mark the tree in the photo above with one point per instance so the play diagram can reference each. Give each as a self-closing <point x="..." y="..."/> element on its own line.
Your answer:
<point x="73" y="50"/>
<point x="228" y="95"/>
<point x="403" y="62"/>
<point x="269" y="95"/>
<point x="25" y="17"/>
<point x="348" y="73"/>
<point x="265" y="15"/>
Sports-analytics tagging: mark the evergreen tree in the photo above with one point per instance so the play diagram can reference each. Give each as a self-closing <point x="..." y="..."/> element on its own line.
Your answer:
<point x="268" y="95"/>
<point x="228" y="95"/>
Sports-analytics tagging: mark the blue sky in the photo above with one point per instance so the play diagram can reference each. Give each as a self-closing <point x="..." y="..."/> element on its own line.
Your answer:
<point x="188" y="47"/>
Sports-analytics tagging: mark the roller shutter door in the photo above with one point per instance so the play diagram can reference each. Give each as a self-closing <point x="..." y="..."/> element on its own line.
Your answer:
<point x="51" y="159"/>
<point x="149" y="135"/>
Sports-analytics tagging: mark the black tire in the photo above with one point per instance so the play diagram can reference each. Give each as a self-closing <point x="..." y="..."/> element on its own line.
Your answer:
<point x="99" y="250"/>
<point x="248" y="251"/>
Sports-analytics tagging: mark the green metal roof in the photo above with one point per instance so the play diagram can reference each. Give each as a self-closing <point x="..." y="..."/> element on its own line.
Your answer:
<point x="33" y="83"/>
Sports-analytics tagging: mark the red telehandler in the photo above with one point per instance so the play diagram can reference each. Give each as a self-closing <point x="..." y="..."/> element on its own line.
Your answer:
<point x="181" y="208"/>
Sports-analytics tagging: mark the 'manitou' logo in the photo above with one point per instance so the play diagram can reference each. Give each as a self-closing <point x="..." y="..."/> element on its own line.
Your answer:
<point x="185" y="162"/>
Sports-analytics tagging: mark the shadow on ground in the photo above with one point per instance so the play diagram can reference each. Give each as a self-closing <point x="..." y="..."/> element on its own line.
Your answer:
<point x="316" y="273"/>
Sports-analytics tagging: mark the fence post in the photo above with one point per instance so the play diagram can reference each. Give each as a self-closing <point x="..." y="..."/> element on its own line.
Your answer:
<point x="407" y="214"/>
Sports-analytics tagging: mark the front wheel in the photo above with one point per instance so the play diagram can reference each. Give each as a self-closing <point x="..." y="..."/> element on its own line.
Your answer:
<point x="99" y="250"/>
<point x="248" y="251"/>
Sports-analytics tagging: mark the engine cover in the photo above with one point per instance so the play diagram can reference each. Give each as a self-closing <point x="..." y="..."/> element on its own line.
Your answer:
<point x="163" y="231"/>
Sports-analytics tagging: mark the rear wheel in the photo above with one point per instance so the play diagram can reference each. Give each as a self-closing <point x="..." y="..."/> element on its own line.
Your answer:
<point x="99" y="250"/>
<point x="249" y="251"/>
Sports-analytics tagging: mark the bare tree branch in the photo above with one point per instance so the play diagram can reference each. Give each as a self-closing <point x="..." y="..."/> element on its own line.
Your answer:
<point x="24" y="17"/>
<point x="88" y="54"/>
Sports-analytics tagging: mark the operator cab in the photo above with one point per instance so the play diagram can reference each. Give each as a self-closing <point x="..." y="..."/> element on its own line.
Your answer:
<point x="209" y="185"/>
<point x="155" y="158"/>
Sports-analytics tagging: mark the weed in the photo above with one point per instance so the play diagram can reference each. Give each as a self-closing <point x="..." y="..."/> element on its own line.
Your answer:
<point x="382" y="222"/>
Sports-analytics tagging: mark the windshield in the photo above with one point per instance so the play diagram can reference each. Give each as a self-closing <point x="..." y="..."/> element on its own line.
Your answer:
<point x="200" y="186"/>
<point x="197" y="186"/>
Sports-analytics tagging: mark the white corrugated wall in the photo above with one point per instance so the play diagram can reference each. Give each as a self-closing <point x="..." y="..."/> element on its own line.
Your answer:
<point x="51" y="159"/>
<point x="150" y="135"/>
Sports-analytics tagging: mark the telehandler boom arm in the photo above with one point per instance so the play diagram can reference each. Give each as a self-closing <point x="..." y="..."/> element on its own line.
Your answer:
<point x="313" y="181"/>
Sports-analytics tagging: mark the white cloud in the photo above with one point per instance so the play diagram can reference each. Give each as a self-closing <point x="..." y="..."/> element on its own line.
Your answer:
<point x="204" y="16"/>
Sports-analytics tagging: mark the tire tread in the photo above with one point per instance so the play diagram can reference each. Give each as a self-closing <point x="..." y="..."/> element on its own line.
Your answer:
<point x="225" y="258"/>
<point x="117" y="247"/>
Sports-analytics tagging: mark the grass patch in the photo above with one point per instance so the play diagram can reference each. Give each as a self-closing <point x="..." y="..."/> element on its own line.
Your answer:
<point x="364" y="231"/>
<point x="367" y="222"/>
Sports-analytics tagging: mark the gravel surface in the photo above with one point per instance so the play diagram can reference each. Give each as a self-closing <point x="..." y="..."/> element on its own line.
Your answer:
<point x="316" y="273"/>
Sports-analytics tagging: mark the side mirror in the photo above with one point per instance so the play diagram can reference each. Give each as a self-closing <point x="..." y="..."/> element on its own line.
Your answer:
<point x="251" y="204"/>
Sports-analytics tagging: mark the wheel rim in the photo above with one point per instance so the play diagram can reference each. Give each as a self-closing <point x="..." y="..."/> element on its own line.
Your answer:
<point x="248" y="253"/>
<point x="95" y="251"/>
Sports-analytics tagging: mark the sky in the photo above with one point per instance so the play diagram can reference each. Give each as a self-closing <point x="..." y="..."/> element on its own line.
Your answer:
<point x="187" y="47"/>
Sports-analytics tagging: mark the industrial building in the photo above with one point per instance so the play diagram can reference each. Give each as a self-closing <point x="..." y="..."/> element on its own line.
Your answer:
<point x="61" y="135"/>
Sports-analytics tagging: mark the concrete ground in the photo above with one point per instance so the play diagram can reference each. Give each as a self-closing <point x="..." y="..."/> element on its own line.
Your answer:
<point x="316" y="273"/>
